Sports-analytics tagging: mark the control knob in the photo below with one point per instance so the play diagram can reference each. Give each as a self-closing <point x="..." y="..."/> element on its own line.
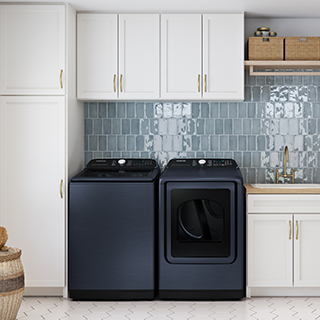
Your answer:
<point x="121" y="162"/>
<point x="202" y="162"/>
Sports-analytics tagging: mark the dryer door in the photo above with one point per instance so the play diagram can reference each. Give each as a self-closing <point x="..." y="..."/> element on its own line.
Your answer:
<point x="201" y="222"/>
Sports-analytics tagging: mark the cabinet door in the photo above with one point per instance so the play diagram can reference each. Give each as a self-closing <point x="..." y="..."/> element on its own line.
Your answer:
<point x="139" y="56"/>
<point x="97" y="56"/>
<point x="32" y="183"/>
<point x="32" y="49"/>
<point x="270" y="250"/>
<point x="306" y="250"/>
<point x="223" y="56"/>
<point x="181" y="56"/>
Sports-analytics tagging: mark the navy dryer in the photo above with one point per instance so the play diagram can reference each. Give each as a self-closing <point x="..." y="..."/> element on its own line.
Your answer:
<point x="201" y="230"/>
<point x="111" y="247"/>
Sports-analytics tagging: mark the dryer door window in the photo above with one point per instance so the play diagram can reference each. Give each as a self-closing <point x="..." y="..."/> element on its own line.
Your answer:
<point x="201" y="222"/>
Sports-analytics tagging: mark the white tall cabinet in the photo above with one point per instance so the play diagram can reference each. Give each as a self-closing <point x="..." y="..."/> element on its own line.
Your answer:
<point x="41" y="137"/>
<point x="106" y="72"/>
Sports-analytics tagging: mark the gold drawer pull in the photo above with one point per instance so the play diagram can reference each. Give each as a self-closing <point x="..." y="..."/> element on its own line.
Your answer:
<point x="290" y="230"/>
<point x="61" y="85"/>
<point x="121" y="83"/>
<point x="114" y="83"/>
<point x="297" y="229"/>
<point x="61" y="182"/>
<point x="198" y="82"/>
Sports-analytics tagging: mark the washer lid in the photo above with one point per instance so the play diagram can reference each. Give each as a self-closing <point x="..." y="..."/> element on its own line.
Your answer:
<point x="119" y="170"/>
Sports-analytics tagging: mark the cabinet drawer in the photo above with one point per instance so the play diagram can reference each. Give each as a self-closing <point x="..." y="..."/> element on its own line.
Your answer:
<point x="294" y="203"/>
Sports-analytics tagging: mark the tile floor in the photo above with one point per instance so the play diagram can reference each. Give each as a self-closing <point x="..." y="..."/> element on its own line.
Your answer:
<point x="281" y="308"/>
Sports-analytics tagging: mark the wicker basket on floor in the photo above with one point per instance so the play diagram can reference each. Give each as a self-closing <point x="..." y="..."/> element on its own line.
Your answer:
<point x="11" y="283"/>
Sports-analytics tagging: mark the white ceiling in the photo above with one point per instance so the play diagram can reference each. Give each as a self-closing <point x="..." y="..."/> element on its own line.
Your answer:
<point x="252" y="8"/>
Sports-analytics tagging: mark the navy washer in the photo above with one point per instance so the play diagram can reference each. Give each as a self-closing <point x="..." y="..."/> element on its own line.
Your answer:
<point x="201" y="230"/>
<point x="111" y="242"/>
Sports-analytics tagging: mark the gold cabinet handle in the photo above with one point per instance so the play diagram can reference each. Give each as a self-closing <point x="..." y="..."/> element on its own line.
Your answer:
<point x="61" y="85"/>
<point x="205" y="83"/>
<point x="121" y="83"/>
<point x="61" y="182"/>
<point x="114" y="83"/>
<point x="297" y="229"/>
<point x="290" y="231"/>
<point x="198" y="82"/>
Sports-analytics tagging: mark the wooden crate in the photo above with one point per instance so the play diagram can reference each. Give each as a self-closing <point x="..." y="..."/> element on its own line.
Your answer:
<point x="265" y="48"/>
<point x="302" y="48"/>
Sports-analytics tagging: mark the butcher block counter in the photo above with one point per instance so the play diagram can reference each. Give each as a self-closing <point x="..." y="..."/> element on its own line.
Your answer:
<point x="283" y="189"/>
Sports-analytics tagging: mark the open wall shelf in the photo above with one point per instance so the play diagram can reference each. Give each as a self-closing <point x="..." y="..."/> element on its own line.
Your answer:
<point x="254" y="65"/>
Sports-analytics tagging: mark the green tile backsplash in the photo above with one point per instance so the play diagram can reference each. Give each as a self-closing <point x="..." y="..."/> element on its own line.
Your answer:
<point x="277" y="111"/>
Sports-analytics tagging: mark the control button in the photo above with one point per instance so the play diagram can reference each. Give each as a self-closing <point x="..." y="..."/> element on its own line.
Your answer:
<point x="202" y="162"/>
<point x="121" y="162"/>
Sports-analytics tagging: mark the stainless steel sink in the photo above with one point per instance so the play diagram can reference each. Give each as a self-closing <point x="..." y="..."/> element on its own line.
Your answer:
<point x="286" y="186"/>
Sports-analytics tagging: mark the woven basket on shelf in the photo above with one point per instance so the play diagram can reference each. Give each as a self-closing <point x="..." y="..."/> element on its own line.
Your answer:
<point x="265" y="48"/>
<point x="302" y="48"/>
<point x="11" y="283"/>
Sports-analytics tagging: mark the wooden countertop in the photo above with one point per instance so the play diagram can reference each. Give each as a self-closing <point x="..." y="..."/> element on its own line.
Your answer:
<point x="251" y="190"/>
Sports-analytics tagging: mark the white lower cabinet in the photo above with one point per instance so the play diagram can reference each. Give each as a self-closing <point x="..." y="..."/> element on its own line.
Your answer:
<point x="282" y="246"/>
<point x="32" y="184"/>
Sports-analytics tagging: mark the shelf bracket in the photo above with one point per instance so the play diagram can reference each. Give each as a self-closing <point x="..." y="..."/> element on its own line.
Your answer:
<point x="282" y="73"/>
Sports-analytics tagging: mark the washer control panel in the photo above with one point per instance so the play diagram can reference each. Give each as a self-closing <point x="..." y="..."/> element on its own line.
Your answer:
<point x="122" y="164"/>
<point x="202" y="163"/>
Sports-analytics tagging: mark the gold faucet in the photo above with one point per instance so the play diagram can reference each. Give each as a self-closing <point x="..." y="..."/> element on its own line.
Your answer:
<point x="286" y="161"/>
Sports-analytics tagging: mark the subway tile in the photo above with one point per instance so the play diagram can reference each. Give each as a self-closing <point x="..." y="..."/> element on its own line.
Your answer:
<point x="149" y="110"/>
<point x="163" y="126"/>
<point x="246" y="159"/>
<point x="125" y="126"/>
<point x="256" y="126"/>
<point x="121" y="142"/>
<point x="149" y="143"/>
<point x="88" y="126"/>
<point x="242" y="109"/>
<point x="237" y="126"/>
<point x="261" y="109"/>
<point x="214" y="142"/>
<point x="135" y="126"/>
<point x="204" y="110"/>
<point x="130" y="143"/>
<point x="102" y="107"/>
<point x="195" y="107"/>
<point x="158" y="110"/>
<point x="130" y="110"/>
<point x="218" y="126"/>
<point x="144" y="126"/>
<point x="93" y="110"/>
<point x="112" y="110"/>
<point x="246" y="126"/>
<point x="140" y="143"/>
<point x="121" y="110"/>
<point x="172" y="126"/>
<point x="191" y="126"/>
<point x="228" y="126"/>
<point x="139" y="110"/>
<point x="233" y="143"/>
<point x="312" y="126"/>
<point x="103" y="143"/>
<point x="223" y="110"/>
<point x="242" y="144"/>
<point x="97" y="125"/>
<point x="195" y="142"/>
<point x="167" y="110"/>
<point x="112" y="143"/>
<point x="270" y="110"/>
<point x="106" y="126"/>
<point x="214" y="109"/>
<point x="233" y="110"/>
<point x="255" y="93"/>
<point x="177" y="142"/>
<point x="316" y="110"/>
<point x="224" y="143"/>
<point x="186" y="143"/>
<point x="200" y="126"/>
<point x="116" y="128"/>
<point x="167" y="143"/>
<point x="256" y="159"/>
<point x="252" y="143"/>
<point x="261" y="143"/>
<point x="186" y="110"/>
<point x="204" y="142"/>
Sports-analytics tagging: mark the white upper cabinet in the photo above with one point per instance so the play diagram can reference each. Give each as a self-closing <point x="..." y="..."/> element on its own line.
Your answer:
<point x="181" y="74"/>
<point x="202" y="56"/>
<point x="139" y="56"/>
<point x="223" y="56"/>
<point x="97" y="60"/>
<point x="32" y="49"/>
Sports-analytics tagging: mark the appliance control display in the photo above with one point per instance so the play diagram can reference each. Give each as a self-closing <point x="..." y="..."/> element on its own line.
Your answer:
<point x="121" y="164"/>
<point x="202" y="163"/>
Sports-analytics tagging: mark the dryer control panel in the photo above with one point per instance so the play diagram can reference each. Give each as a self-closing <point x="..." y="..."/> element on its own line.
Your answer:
<point x="122" y="164"/>
<point x="198" y="163"/>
